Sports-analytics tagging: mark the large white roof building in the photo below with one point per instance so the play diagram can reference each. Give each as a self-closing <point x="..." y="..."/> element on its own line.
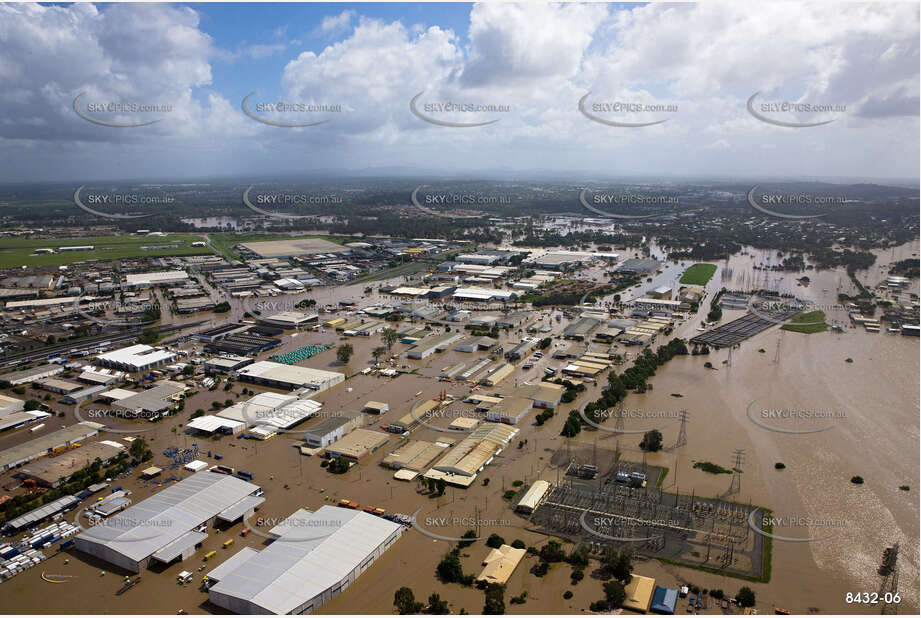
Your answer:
<point x="317" y="556"/>
<point x="138" y="357"/>
<point x="290" y="376"/>
<point x="166" y="277"/>
<point x="163" y="525"/>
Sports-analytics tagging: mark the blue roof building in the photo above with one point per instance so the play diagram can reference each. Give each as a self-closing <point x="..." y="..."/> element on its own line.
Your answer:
<point x="664" y="600"/>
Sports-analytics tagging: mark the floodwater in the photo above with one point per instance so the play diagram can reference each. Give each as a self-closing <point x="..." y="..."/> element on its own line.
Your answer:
<point x="874" y="433"/>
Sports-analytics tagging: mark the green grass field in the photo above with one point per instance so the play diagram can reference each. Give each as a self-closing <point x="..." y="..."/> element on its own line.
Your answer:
<point x="810" y="322"/>
<point x="17" y="252"/>
<point x="698" y="274"/>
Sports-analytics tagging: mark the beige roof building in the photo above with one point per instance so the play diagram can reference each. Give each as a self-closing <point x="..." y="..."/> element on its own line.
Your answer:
<point x="415" y="455"/>
<point x="358" y="444"/>
<point x="462" y="463"/>
<point x="464" y="423"/>
<point x="639" y="593"/>
<point x="499" y="565"/>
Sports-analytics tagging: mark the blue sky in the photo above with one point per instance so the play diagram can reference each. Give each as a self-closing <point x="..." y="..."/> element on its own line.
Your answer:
<point x="671" y="89"/>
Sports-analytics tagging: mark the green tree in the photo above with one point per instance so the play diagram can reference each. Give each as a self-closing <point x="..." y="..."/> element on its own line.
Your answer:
<point x="389" y="337"/>
<point x="339" y="465"/>
<point x="652" y="441"/>
<point x="437" y="605"/>
<point x="495" y="600"/>
<point x="470" y="535"/>
<point x="449" y="569"/>
<point x="495" y="541"/>
<point x="378" y="352"/>
<point x="139" y="450"/>
<point x="617" y="563"/>
<point x="405" y="601"/>
<point x="552" y="552"/>
<point x="746" y="597"/>
<point x="344" y="353"/>
<point x="614" y="594"/>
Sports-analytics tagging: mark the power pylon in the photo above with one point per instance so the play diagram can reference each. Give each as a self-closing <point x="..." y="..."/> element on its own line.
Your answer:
<point x="777" y="349"/>
<point x="889" y="583"/>
<point x="682" y="430"/>
<point x="736" y="485"/>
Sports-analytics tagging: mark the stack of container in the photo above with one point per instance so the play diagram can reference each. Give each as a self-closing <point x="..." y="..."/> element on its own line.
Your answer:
<point x="50" y="535"/>
<point x="13" y="561"/>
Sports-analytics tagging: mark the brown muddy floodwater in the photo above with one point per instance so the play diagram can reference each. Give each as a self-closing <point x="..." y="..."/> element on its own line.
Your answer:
<point x="871" y="429"/>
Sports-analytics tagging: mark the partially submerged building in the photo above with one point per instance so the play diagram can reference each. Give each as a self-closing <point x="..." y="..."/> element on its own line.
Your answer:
<point x="315" y="557"/>
<point x="162" y="528"/>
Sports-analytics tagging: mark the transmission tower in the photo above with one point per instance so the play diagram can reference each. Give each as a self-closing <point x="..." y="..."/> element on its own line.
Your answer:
<point x="736" y="484"/>
<point x="889" y="583"/>
<point x="777" y="349"/>
<point x="619" y="419"/>
<point x="682" y="430"/>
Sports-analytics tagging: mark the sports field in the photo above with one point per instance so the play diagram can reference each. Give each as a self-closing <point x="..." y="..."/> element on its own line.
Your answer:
<point x="698" y="274"/>
<point x="18" y="252"/>
<point x="809" y="322"/>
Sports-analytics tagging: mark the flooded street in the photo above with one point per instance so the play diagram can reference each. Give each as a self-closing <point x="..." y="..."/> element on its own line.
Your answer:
<point x="874" y="401"/>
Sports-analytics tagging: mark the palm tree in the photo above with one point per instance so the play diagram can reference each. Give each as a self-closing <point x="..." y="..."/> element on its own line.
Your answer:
<point x="389" y="337"/>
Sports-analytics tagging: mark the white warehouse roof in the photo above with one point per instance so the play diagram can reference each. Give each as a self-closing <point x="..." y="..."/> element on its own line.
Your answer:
<point x="166" y="276"/>
<point x="317" y="379"/>
<point x="278" y="411"/>
<point x="154" y="523"/>
<point x="315" y="552"/>
<point x="139" y="355"/>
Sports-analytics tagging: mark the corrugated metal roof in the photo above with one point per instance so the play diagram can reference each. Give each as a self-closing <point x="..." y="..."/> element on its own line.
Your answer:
<point x="175" y="549"/>
<point x="239" y="509"/>
<point x="154" y="523"/>
<point x="232" y="563"/>
<point x="316" y="552"/>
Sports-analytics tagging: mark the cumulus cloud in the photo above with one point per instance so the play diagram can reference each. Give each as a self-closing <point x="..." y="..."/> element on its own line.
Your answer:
<point x="337" y="23"/>
<point x="705" y="60"/>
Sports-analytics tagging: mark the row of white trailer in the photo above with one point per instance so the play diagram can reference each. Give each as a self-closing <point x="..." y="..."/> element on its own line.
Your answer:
<point x="51" y="534"/>
<point x="19" y="563"/>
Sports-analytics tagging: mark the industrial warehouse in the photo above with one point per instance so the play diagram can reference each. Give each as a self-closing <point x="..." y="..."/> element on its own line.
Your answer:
<point x="162" y="528"/>
<point x="289" y="376"/>
<point x="315" y="557"/>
